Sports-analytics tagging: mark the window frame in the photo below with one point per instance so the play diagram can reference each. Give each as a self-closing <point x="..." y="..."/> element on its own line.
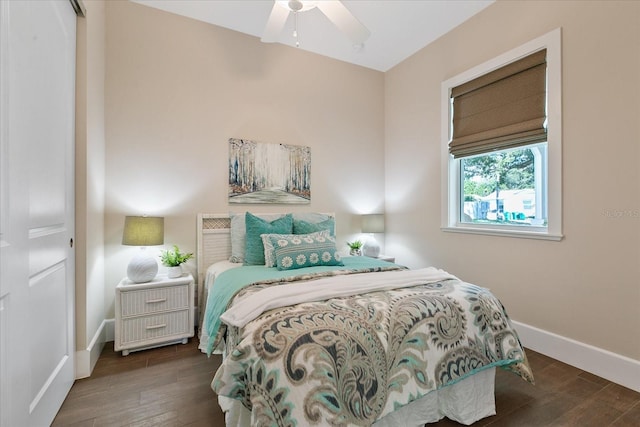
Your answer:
<point x="451" y="184"/>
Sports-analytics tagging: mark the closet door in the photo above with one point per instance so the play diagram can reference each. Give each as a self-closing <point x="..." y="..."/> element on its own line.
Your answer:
<point x="37" y="115"/>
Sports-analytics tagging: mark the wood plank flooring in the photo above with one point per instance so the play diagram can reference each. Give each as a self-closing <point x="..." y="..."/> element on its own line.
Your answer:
<point x="170" y="386"/>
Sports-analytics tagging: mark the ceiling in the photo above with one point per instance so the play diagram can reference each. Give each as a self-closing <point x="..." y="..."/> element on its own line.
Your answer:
<point x="399" y="28"/>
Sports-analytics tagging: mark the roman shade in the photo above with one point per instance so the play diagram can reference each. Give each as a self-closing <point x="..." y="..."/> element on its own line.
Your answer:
<point x="502" y="109"/>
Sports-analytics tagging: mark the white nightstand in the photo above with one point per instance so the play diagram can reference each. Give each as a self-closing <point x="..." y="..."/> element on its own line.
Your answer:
<point x="386" y="258"/>
<point x="153" y="314"/>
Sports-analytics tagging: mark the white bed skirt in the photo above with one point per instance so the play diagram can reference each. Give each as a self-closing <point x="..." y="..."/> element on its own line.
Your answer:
<point x="465" y="402"/>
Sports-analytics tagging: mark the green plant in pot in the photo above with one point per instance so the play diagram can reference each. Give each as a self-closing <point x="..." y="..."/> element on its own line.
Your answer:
<point x="173" y="259"/>
<point x="355" y="247"/>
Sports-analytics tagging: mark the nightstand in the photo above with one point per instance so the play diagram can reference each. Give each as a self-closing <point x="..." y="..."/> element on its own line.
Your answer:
<point x="154" y="314"/>
<point x="385" y="258"/>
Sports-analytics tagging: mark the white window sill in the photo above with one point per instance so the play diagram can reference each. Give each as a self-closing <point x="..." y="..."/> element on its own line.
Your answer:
<point x="523" y="234"/>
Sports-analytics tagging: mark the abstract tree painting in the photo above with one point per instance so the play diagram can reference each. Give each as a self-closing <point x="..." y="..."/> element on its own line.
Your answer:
<point x="269" y="173"/>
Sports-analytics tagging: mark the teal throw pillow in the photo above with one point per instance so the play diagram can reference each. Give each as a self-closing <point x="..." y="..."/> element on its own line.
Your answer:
<point x="305" y="250"/>
<point x="305" y="227"/>
<point x="255" y="226"/>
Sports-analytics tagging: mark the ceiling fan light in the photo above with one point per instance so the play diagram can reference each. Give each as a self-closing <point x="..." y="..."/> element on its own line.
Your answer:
<point x="297" y="5"/>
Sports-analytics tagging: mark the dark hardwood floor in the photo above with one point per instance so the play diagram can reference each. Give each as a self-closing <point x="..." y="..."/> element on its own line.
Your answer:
<point x="170" y="386"/>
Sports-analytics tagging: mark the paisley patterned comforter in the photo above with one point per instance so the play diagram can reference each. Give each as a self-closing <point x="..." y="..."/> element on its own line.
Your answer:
<point x="352" y="360"/>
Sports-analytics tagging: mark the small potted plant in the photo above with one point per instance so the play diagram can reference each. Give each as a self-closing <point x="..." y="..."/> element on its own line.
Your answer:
<point x="355" y="248"/>
<point x="173" y="259"/>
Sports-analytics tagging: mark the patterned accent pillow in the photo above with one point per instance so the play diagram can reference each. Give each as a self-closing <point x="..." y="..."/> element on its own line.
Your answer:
<point x="303" y="250"/>
<point x="270" y="250"/>
<point x="305" y="227"/>
<point x="254" y="250"/>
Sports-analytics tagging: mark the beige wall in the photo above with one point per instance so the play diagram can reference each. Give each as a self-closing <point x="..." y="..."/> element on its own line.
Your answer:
<point x="178" y="89"/>
<point x="90" y="161"/>
<point x="587" y="286"/>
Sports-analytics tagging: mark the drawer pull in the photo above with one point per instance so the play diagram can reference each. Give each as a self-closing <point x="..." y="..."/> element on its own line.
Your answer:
<point x="155" y="301"/>
<point x="163" y="325"/>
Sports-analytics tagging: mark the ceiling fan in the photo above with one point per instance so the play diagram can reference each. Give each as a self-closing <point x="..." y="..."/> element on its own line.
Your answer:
<point x="334" y="10"/>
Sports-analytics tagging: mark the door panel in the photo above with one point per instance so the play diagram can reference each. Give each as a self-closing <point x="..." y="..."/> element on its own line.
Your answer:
<point x="37" y="112"/>
<point x="47" y="301"/>
<point x="4" y="203"/>
<point x="4" y="373"/>
<point x="47" y="246"/>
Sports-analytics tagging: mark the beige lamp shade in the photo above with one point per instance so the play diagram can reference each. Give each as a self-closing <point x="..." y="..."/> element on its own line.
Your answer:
<point x="373" y="223"/>
<point x="143" y="231"/>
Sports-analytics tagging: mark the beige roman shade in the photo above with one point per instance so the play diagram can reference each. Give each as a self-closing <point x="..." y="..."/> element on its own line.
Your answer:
<point x="502" y="109"/>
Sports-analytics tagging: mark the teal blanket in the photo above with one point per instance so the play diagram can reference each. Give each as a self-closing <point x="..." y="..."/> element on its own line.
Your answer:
<point x="230" y="282"/>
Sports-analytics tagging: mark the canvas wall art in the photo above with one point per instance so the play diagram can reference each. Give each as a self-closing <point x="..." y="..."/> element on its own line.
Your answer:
<point x="269" y="173"/>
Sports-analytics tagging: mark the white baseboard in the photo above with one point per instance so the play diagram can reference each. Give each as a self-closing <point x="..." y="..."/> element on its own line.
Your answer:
<point x="611" y="366"/>
<point x="85" y="360"/>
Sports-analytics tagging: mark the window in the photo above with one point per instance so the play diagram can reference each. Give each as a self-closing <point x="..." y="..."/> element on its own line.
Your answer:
<point x="505" y="187"/>
<point x="501" y="127"/>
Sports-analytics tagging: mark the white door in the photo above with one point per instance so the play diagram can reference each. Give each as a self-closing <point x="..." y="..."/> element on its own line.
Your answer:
<point x="37" y="115"/>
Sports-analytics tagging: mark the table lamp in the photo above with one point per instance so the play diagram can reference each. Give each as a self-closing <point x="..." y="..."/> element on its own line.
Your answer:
<point x="143" y="231"/>
<point x="373" y="223"/>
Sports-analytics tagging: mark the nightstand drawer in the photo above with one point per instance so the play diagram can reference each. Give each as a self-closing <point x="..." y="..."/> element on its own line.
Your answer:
<point x="139" y="329"/>
<point x="154" y="300"/>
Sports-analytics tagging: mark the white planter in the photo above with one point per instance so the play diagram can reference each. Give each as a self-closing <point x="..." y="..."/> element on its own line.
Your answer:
<point x="174" y="272"/>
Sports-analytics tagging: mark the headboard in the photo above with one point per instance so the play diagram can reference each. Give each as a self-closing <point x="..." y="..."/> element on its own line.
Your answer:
<point x="214" y="243"/>
<point x="213" y="240"/>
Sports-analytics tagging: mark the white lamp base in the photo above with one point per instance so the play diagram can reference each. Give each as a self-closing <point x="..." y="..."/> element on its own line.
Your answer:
<point x="371" y="248"/>
<point x="142" y="268"/>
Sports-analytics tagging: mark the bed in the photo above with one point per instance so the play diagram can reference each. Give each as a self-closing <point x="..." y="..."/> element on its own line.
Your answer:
<point x="310" y="337"/>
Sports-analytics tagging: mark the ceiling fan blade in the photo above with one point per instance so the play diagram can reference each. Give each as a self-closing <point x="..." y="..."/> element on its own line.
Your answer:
<point x="275" y="24"/>
<point x="344" y="20"/>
